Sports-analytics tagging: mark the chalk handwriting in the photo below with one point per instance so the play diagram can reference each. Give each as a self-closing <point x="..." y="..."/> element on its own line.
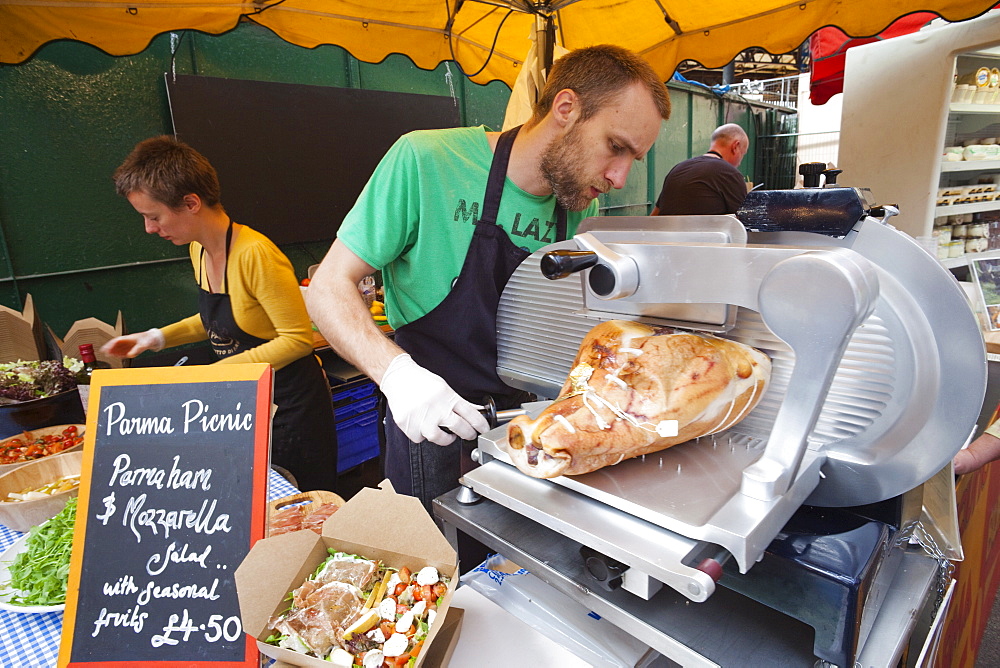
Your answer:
<point x="196" y="412"/>
<point x="135" y="425"/>
<point x="197" y="416"/>
<point x="132" y="618"/>
<point x="174" y="555"/>
<point x="177" y="478"/>
<point x="109" y="508"/>
<point x="177" y="590"/>
<point x="201" y="521"/>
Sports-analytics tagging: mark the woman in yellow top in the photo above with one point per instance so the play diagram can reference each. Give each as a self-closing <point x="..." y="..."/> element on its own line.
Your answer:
<point x="250" y="306"/>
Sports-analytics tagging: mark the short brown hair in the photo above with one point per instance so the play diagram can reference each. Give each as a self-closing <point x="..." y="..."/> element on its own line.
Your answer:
<point x="596" y="74"/>
<point x="168" y="169"/>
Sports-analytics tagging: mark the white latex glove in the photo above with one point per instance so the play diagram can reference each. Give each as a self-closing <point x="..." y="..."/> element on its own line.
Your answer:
<point x="422" y="403"/>
<point x="131" y="345"/>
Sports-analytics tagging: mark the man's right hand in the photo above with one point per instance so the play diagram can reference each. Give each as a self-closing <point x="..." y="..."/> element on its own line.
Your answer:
<point x="422" y="403"/>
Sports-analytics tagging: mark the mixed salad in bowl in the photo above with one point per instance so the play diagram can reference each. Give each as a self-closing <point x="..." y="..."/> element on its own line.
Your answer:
<point x="25" y="381"/>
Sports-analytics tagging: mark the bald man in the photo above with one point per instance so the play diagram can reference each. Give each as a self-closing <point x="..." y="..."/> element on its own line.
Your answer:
<point x="710" y="183"/>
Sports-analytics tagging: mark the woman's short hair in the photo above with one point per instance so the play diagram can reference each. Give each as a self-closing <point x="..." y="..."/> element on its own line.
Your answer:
<point x="167" y="170"/>
<point x="598" y="73"/>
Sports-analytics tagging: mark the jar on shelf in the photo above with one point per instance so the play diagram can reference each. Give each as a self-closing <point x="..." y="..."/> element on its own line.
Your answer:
<point x="976" y="244"/>
<point x="943" y="234"/>
<point x="994" y="233"/>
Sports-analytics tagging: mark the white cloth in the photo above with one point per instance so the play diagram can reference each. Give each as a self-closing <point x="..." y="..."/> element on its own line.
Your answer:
<point x="528" y="85"/>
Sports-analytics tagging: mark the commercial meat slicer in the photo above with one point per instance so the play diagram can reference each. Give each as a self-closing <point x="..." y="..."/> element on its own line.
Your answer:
<point x="805" y="509"/>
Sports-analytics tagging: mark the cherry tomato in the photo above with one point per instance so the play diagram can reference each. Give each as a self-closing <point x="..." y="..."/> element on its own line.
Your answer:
<point x="28" y="447"/>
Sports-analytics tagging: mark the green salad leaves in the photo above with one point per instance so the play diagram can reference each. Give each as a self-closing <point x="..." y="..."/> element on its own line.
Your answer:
<point x="41" y="572"/>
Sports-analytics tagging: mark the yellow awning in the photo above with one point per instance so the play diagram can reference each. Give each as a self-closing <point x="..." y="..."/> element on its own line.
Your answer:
<point x="666" y="32"/>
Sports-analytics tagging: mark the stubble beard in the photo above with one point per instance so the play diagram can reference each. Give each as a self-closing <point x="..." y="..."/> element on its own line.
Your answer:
<point x="558" y="166"/>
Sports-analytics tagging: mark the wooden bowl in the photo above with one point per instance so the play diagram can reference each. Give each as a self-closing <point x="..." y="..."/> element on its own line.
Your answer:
<point x="308" y="501"/>
<point x="22" y="515"/>
<point x="41" y="431"/>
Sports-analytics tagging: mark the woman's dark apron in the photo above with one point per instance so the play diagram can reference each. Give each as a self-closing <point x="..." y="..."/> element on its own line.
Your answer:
<point x="303" y="432"/>
<point x="458" y="341"/>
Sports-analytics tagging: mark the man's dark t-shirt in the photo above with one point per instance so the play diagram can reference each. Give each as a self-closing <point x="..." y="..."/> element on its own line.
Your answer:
<point x="700" y="186"/>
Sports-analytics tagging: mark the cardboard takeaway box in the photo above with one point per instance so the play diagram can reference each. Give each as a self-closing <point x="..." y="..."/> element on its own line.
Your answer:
<point x="21" y="334"/>
<point x="276" y="566"/>
<point x="96" y="332"/>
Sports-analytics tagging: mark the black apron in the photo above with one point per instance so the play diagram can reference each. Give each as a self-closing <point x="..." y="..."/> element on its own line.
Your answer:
<point x="303" y="432"/>
<point x="458" y="341"/>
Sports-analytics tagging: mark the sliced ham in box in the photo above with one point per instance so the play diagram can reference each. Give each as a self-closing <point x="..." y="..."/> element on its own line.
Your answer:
<point x="375" y="524"/>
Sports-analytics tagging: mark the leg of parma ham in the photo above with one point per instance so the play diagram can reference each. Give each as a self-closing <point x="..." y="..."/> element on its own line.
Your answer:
<point x="636" y="389"/>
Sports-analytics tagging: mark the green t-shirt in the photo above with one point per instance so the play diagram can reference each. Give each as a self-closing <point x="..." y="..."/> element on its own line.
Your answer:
<point x="415" y="218"/>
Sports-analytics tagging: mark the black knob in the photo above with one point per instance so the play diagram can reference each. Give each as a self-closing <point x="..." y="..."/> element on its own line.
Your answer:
<point x="831" y="176"/>
<point x="607" y="572"/>
<point x="562" y="263"/>
<point x="489" y="410"/>
<point x="810" y="172"/>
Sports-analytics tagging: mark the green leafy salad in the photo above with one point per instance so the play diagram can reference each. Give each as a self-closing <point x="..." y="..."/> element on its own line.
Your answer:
<point x="359" y="613"/>
<point x="38" y="575"/>
<point x="24" y="381"/>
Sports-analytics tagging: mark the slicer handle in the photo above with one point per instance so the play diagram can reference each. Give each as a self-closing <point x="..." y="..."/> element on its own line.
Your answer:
<point x="561" y="263"/>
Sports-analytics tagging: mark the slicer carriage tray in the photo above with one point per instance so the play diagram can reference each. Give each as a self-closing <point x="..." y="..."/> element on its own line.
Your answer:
<point x="689" y="482"/>
<point x="692" y="489"/>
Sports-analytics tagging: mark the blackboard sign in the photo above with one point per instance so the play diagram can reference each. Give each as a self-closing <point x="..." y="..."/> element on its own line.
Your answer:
<point x="174" y="494"/>
<point x="293" y="158"/>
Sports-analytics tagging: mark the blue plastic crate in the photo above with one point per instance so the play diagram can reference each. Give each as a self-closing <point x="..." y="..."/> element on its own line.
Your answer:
<point x="357" y="440"/>
<point x="353" y="391"/>
<point x="358" y="407"/>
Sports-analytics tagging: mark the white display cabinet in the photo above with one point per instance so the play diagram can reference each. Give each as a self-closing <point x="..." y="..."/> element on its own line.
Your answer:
<point x="898" y="116"/>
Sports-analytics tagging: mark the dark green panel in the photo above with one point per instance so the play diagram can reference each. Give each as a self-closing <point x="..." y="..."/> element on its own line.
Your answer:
<point x="672" y="144"/>
<point x="149" y="295"/>
<point x="305" y="255"/>
<point x="397" y="73"/>
<point x="71" y="114"/>
<point x="254" y="52"/>
<point x="744" y="116"/>
<point x="485" y="105"/>
<point x="704" y="120"/>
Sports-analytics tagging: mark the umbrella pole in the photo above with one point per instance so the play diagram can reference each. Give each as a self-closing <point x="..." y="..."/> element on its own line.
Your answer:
<point x="545" y="37"/>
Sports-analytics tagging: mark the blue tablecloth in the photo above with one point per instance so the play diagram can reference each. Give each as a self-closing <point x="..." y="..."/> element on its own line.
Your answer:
<point x="32" y="641"/>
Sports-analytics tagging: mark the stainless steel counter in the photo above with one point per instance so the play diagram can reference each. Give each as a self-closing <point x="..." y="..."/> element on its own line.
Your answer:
<point x="727" y="630"/>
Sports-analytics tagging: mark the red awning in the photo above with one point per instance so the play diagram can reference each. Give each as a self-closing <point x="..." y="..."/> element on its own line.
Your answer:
<point x="829" y="46"/>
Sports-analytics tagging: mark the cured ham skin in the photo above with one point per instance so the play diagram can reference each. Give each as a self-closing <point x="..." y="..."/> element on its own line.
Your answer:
<point x="636" y="389"/>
